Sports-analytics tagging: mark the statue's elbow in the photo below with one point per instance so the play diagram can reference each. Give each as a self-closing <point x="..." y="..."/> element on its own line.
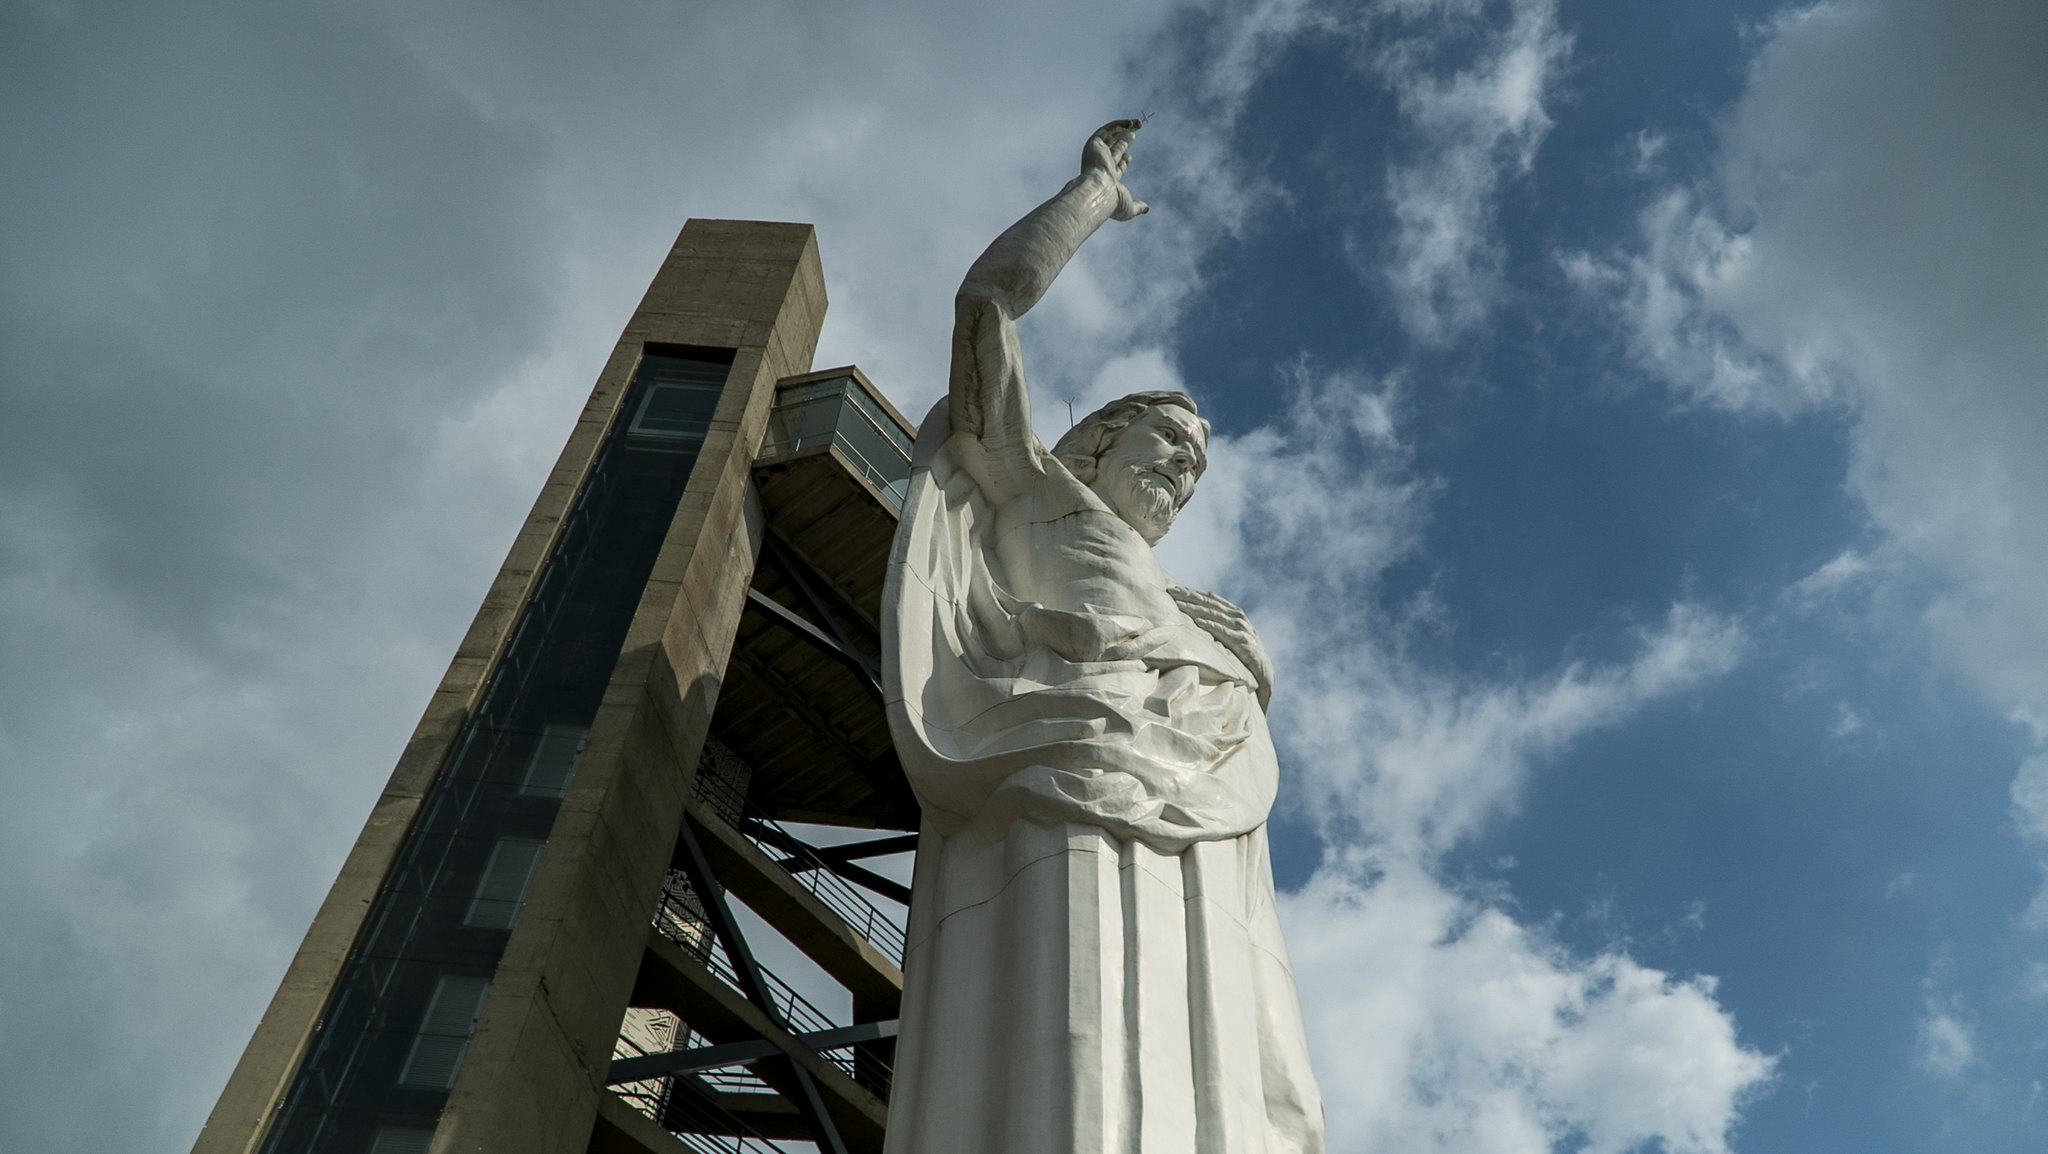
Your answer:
<point x="1001" y="283"/>
<point x="977" y="293"/>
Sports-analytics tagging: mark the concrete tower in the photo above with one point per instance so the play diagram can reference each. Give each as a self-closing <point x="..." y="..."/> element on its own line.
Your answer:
<point x="536" y="944"/>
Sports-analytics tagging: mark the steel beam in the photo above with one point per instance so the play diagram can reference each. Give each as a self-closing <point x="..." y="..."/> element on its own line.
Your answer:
<point x="738" y="1053"/>
<point x="741" y="956"/>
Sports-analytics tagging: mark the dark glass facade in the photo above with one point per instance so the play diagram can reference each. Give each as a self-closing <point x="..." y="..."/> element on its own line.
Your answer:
<point x="393" y="1034"/>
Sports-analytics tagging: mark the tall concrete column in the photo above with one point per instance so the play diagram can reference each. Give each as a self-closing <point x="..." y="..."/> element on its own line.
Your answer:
<point x="537" y="1061"/>
<point x="533" y="1068"/>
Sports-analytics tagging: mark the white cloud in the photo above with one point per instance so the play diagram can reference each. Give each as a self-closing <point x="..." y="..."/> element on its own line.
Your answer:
<point x="1486" y="1037"/>
<point x="2030" y="797"/>
<point x="1889" y="263"/>
<point x="2030" y="813"/>
<point x="1648" y="149"/>
<point x="1431" y="758"/>
<point x="1469" y="78"/>
<point x="1672" y="294"/>
<point x="1439" y="1022"/>
<point x="1386" y="745"/>
<point x="1849" y="721"/>
<point x="1845" y="571"/>
<point x="2034" y="981"/>
<point x="1477" y="124"/>
<point x="1871" y="244"/>
<point x="2034" y="915"/>
<point x="1945" y="1045"/>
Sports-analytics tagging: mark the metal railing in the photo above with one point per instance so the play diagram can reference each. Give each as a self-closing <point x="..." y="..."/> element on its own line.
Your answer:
<point x="722" y="780"/>
<point x="681" y="1102"/>
<point x="681" y="920"/>
<point x="803" y="862"/>
<point x="721" y="784"/>
<point x="697" y="1123"/>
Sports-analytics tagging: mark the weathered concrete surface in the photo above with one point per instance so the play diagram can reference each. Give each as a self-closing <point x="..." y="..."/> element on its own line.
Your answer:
<point x="529" y="1079"/>
<point x="535" y="1067"/>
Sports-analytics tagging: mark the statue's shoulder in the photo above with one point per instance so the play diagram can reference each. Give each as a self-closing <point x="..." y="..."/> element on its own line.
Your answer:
<point x="1029" y="477"/>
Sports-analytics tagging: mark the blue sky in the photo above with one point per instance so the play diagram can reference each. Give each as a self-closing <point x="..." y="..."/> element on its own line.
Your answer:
<point x="1632" y="439"/>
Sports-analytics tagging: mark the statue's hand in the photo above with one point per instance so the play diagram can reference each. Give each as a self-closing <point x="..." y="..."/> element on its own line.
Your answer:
<point x="1230" y="627"/>
<point x="1110" y="151"/>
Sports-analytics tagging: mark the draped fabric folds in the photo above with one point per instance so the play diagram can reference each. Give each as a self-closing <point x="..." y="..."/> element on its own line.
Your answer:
<point x="1094" y="960"/>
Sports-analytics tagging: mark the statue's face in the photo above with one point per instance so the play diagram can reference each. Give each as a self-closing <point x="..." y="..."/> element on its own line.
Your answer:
<point x="1149" y="470"/>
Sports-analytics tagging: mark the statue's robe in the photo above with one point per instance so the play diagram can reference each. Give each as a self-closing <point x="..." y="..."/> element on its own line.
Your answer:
<point x="1094" y="960"/>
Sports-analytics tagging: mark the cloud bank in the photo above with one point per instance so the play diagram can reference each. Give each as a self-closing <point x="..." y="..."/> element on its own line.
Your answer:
<point x="1871" y="245"/>
<point x="1440" y="1021"/>
<point x="1445" y="1025"/>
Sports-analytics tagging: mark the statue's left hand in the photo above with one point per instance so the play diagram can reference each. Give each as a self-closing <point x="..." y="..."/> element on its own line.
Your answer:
<point x="1110" y="151"/>
<point x="1229" y="626"/>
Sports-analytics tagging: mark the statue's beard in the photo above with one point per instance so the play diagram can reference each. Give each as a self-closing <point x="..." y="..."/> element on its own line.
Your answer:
<point x="1146" y="500"/>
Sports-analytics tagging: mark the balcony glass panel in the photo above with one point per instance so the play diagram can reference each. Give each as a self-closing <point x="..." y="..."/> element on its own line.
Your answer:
<point x="838" y="411"/>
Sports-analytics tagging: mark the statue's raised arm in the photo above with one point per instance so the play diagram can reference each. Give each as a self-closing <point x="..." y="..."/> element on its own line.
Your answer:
<point x="989" y="398"/>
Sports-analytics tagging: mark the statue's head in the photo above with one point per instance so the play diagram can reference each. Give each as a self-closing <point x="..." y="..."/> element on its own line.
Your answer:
<point x="1142" y="455"/>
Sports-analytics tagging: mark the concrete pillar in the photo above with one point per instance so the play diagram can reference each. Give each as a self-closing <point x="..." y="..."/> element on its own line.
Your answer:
<point x="534" y="1067"/>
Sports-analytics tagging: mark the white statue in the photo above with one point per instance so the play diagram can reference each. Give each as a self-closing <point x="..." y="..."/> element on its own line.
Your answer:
<point x="1094" y="960"/>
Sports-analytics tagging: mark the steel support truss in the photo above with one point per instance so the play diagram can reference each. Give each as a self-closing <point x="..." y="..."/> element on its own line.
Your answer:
<point x="809" y="1102"/>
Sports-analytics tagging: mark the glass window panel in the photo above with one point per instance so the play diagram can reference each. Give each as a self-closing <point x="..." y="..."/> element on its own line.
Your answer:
<point x="877" y="455"/>
<point x="444" y="1032"/>
<point x="814" y="390"/>
<point x="882" y="420"/>
<point x="554" y="759"/>
<point x="676" y="410"/>
<point x="503" y="885"/>
<point x="802" y="426"/>
<point x="401" y="1140"/>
